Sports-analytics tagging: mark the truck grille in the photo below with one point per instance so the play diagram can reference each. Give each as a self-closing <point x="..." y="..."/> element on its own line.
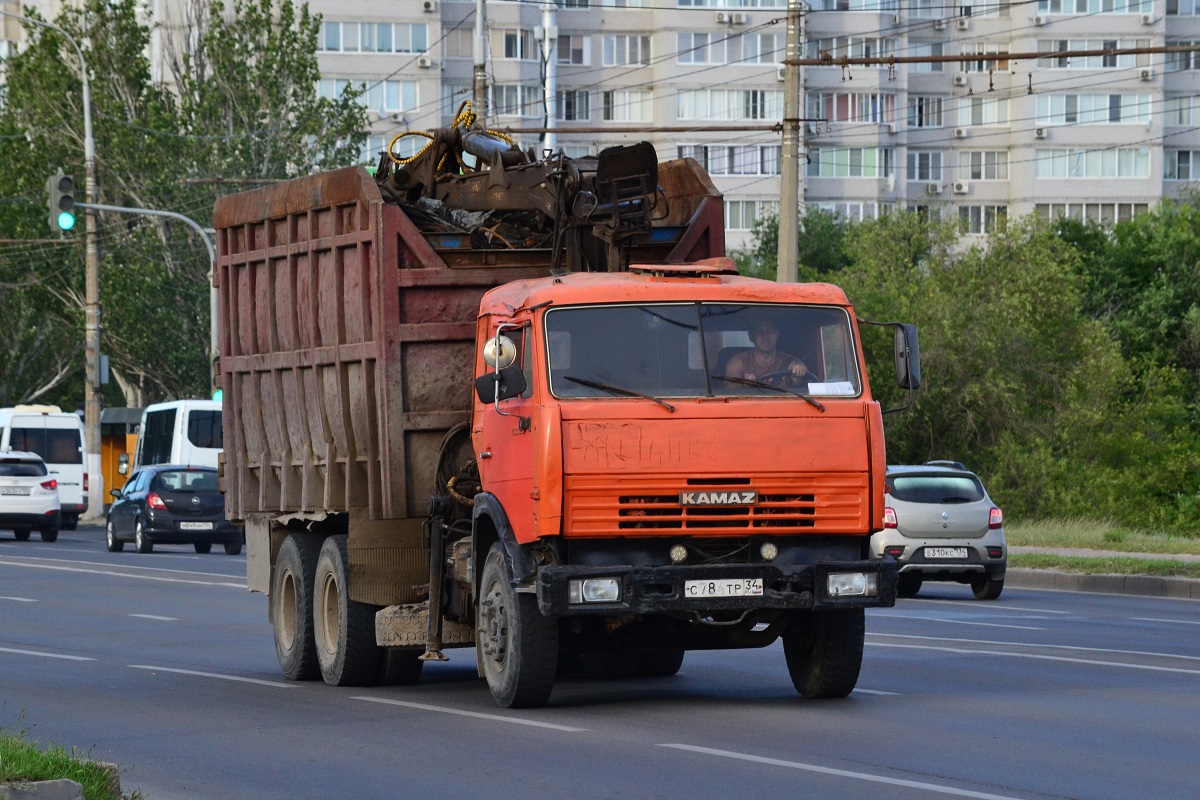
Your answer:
<point x="650" y="505"/>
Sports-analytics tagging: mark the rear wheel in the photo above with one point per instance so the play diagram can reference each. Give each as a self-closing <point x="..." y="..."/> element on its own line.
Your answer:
<point x="660" y="663"/>
<point x="987" y="587"/>
<point x="233" y="548"/>
<point x="22" y="534"/>
<point x="49" y="534"/>
<point x="111" y="541"/>
<point x="291" y="607"/>
<point x="399" y="666"/>
<point x="344" y="630"/>
<point x="70" y="522"/>
<point x="203" y="547"/>
<point x="141" y="541"/>
<point x="518" y="647"/>
<point x="909" y="585"/>
<point x="824" y="651"/>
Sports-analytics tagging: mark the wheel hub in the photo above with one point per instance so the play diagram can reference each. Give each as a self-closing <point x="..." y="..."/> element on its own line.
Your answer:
<point x="495" y="627"/>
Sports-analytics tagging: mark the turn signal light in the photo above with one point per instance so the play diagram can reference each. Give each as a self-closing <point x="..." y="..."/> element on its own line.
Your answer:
<point x="156" y="502"/>
<point x="889" y="518"/>
<point x="995" y="518"/>
<point x="85" y="482"/>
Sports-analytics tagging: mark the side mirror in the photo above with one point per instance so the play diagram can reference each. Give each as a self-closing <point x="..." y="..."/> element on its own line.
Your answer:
<point x="493" y="387"/>
<point x="123" y="464"/>
<point x="908" y="356"/>
<point x="115" y="492"/>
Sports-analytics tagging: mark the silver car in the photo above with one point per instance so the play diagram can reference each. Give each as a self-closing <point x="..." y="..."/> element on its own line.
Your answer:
<point x="940" y="525"/>
<point x="28" y="496"/>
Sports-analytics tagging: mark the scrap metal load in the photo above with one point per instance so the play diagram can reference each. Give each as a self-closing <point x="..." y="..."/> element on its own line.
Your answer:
<point x="470" y="189"/>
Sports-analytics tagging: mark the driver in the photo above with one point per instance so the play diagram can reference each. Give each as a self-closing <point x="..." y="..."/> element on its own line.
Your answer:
<point x="765" y="362"/>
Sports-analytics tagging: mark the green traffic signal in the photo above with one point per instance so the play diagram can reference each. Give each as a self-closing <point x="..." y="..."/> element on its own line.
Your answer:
<point x="62" y="202"/>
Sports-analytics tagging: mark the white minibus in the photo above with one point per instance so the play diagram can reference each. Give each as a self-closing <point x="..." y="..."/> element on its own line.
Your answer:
<point x="58" y="438"/>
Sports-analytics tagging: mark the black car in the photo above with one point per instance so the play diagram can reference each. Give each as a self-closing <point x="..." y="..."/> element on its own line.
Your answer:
<point x="168" y="504"/>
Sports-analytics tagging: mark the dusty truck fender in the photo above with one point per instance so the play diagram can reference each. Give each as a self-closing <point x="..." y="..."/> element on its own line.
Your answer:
<point x="489" y="523"/>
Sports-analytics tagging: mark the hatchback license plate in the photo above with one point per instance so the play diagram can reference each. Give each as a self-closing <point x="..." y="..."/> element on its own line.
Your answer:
<point x="20" y="490"/>
<point x="945" y="552"/>
<point x="725" y="587"/>
<point x="195" y="526"/>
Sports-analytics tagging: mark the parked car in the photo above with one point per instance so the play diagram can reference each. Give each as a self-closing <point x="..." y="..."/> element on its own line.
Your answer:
<point x="28" y="496"/>
<point x="940" y="524"/>
<point x="171" y="504"/>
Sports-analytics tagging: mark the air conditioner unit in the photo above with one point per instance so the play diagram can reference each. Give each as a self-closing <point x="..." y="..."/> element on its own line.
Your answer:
<point x="961" y="187"/>
<point x="723" y="17"/>
<point x="933" y="188"/>
<point x="429" y="6"/>
<point x="939" y="25"/>
<point x="963" y="23"/>
<point x="1039" y="133"/>
<point x="1147" y="19"/>
<point x="960" y="133"/>
<point x="960" y="79"/>
<point x="738" y="18"/>
<point x="425" y="62"/>
<point x="1145" y="73"/>
<point x="781" y="74"/>
<point x="891" y="127"/>
<point x="1040" y="20"/>
<point x="398" y="116"/>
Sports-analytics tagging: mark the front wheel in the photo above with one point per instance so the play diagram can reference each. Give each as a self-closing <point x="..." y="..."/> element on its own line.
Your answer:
<point x="203" y="547"/>
<point x="518" y="647"/>
<point x="343" y="629"/>
<point x="824" y="651"/>
<point x="987" y="587"/>
<point x="660" y="663"/>
<point x="111" y="541"/>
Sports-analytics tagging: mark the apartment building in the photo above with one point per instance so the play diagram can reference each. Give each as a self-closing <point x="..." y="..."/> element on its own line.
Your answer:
<point x="982" y="139"/>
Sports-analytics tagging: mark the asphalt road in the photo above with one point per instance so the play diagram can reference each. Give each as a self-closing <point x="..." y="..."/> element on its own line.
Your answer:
<point x="164" y="664"/>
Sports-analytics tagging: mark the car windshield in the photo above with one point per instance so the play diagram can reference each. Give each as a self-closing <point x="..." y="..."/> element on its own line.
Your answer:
<point x="189" y="480"/>
<point x="701" y="349"/>
<point x="935" y="488"/>
<point x="21" y="469"/>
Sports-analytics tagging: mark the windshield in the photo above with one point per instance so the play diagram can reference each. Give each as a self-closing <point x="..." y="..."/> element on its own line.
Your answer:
<point x="701" y="349"/>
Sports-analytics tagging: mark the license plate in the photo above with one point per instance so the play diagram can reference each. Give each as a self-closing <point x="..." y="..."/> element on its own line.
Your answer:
<point x="195" y="526"/>
<point x="724" y="587"/>
<point x="14" y="490"/>
<point x="945" y="552"/>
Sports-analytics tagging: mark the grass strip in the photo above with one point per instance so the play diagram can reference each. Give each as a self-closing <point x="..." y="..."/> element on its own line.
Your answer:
<point x="23" y="762"/>
<point x="1163" y="567"/>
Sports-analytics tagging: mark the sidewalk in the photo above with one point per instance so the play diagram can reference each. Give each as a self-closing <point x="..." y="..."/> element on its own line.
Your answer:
<point x="1144" y="585"/>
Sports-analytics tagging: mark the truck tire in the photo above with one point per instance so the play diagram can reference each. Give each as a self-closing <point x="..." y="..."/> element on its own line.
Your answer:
<point x="399" y="666"/>
<point x="343" y="629"/>
<point x="824" y="651"/>
<point x="518" y="647"/>
<point x="660" y="663"/>
<point x="291" y="607"/>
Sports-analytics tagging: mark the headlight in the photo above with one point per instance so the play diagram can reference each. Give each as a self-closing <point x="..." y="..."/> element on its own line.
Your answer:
<point x="853" y="584"/>
<point x="594" y="590"/>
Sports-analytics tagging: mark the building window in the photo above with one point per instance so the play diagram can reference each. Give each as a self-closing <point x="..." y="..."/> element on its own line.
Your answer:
<point x="627" y="106"/>
<point x="1125" y="162"/>
<point x="390" y="96"/>
<point x="855" y="5"/>
<point x="573" y="106"/>
<point x="514" y="43"/>
<point x="833" y="107"/>
<point x="622" y="50"/>
<point x="1104" y="213"/>
<point x="852" y="212"/>
<point x="1092" y="7"/>
<point x="925" y="112"/>
<point x="924" y="165"/>
<point x="850" y="162"/>
<point x="983" y="165"/>
<point x="1178" y="62"/>
<point x="619" y="3"/>
<point x="983" y="219"/>
<point x="574" y="50"/>
<point x="731" y="159"/>
<point x="726" y="105"/>
<point x="997" y="60"/>
<point x="459" y="43"/>
<point x="926" y="51"/>
<point x="372" y="37"/>
<point x="984" y="111"/>
<point x="1093" y="109"/>
<point x="518" y="100"/>
<point x="1123" y="61"/>
<point x="741" y="215"/>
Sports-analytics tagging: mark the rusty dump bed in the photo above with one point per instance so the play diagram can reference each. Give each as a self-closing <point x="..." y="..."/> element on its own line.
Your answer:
<point x="346" y="337"/>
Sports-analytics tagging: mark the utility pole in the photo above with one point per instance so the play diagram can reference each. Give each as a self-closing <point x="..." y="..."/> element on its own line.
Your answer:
<point x="549" y="45"/>
<point x="479" y="88"/>
<point x="788" y="253"/>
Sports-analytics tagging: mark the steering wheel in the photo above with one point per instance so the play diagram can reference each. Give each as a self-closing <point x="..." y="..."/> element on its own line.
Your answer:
<point x="779" y="373"/>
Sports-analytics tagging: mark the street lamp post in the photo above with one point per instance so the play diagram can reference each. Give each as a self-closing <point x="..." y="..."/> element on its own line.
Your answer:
<point x="91" y="388"/>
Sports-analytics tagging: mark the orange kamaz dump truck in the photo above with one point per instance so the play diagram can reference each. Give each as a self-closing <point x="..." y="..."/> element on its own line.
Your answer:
<point x="486" y="400"/>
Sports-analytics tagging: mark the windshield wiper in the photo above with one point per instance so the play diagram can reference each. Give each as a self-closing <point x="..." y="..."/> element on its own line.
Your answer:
<point x="761" y="385"/>
<point x="618" y="390"/>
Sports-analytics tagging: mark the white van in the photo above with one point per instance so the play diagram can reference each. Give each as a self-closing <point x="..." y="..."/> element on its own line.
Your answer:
<point x="183" y="432"/>
<point x="58" y="438"/>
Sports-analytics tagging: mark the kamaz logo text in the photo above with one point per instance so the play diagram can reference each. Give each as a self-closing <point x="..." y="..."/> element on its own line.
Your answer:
<point x="717" y="498"/>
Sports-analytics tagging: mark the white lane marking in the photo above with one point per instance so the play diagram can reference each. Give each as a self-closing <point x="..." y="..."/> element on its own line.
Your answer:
<point x="989" y="608"/>
<point x="1171" y="621"/>
<point x="17" y="561"/>
<point x="842" y="773"/>
<point x="1039" y="646"/>
<point x="475" y="714"/>
<point x="113" y="573"/>
<point x="44" y="655"/>
<point x="965" y="622"/>
<point x="19" y="599"/>
<point x="1038" y="657"/>
<point x="876" y="691"/>
<point x="153" y="616"/>
<point x="276" y="684"/>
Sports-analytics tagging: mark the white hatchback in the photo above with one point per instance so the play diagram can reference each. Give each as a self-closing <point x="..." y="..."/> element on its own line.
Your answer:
<point x="28" y="496"/>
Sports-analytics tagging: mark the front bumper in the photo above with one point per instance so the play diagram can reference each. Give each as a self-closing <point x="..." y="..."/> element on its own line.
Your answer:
<point x="657" y="590"/>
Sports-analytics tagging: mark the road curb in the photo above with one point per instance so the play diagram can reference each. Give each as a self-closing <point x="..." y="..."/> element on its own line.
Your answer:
<point x="1141" y="585"/>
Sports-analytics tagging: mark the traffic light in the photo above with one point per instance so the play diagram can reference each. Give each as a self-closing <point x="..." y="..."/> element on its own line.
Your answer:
<point x="60" y="187"/>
